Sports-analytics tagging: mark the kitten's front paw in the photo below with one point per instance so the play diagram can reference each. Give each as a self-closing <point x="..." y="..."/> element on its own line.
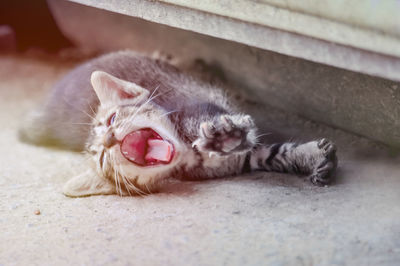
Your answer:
<point x="226" y="135"/>
<point x="322" y="174"/>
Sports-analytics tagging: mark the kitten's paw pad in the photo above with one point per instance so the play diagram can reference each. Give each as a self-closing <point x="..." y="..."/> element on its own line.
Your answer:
<point x="328" y="147"/>
<point x="228" y="134"/>
<point x="323" y="172"/>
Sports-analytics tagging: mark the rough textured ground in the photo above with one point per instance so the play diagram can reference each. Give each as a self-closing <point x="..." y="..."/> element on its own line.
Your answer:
<point x="257" y="219"/>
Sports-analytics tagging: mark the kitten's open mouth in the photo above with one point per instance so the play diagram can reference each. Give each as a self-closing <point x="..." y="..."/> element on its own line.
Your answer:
<point x="145" y="147"/>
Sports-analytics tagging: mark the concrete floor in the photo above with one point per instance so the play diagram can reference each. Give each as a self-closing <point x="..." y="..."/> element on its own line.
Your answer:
<point x="257" y="219"/>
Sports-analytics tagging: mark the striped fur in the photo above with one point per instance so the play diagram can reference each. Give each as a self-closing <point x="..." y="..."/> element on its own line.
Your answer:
<point x="317" y="159"/>
<point x="212" y="139"/>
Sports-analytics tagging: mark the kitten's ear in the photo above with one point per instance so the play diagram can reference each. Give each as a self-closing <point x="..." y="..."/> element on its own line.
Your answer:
<point x="88" y="184"/>
<point x="112" y="90"/>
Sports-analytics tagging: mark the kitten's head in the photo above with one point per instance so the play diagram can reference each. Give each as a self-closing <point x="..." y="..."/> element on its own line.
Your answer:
<point x="133" y="143"/>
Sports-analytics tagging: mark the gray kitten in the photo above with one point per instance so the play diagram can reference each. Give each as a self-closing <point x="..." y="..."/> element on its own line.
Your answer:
<point x="142" y="121"/>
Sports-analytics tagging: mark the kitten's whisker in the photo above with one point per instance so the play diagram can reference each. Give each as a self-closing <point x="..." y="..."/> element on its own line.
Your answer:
<point x="262" y="135"/>
<point x="167" y="113"/>
<point x="137" y="190"/>
<point x="148" y="190"/>
<point x="94" y="113"/>
<point x="154" y="91"/>
<point x="116" y="176"/>
<point x="129" y="184"/>
<point x="118" y="170"/>
<point x="151" y="98"/>
<point x="123" y="178"/>
<point x="125" y="123"/>
<point x="119" y="183"/>
<point x="127" y="187"/>
<point x="159" y="94"/>
<point x="116" y="182"/>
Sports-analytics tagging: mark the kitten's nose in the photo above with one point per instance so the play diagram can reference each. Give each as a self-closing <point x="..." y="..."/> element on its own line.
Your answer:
<point x="109" y="139"/>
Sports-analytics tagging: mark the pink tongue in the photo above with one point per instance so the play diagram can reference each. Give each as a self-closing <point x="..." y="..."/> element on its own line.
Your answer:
<point x="158" y="150"/>
<point x="146" y="147"/>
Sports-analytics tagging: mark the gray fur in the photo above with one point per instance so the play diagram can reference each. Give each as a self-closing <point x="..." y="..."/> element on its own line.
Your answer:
<point x="317" y="159"/>
<point x="62" y="121"/>
<point x="216" y="139"/>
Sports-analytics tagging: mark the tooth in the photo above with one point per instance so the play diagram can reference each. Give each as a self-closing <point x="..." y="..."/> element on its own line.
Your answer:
<point x="212" y="154"/>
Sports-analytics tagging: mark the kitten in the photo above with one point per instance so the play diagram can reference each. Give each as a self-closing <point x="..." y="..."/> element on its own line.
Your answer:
<point x="142" y="121"/>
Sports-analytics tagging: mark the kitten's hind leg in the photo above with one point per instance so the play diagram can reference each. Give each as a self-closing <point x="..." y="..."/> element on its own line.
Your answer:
<point x="227" y="134"/>
<point x="316" y="159"/>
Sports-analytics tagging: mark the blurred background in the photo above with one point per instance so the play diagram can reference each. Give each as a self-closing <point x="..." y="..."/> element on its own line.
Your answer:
<point x="29" y="25"/>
